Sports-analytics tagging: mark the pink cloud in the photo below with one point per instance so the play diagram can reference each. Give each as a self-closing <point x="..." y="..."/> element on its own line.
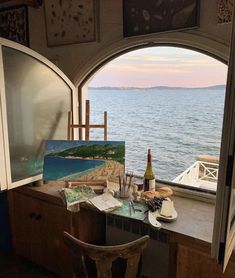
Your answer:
<point x="161" y="66"/>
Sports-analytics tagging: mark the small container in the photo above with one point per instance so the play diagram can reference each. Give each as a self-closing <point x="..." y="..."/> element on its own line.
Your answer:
<point x="139" y="183"/>
<point x="124" y="193"/>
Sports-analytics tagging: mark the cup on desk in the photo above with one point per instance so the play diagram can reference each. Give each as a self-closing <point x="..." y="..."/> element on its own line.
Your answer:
<point x="139" y="183"/>
<point x="124" y="192"/>
<point x="124" y="187"/>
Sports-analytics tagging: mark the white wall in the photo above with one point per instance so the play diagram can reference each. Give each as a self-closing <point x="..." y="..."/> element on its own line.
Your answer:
<point x="76" y="60"/>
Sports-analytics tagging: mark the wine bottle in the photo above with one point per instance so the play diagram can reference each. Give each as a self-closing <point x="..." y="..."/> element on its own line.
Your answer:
<point x="149" y="177"/>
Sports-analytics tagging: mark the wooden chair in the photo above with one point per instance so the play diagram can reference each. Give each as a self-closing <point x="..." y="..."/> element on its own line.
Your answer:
<point x="104" y="256"/>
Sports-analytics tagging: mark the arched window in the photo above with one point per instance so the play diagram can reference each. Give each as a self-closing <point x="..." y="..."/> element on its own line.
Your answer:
<point x="224" y="224"/>
<point x="168" y="99"/>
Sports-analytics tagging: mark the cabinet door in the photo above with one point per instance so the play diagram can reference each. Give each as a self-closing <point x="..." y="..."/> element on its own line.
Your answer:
<point x="26" y="229"/>
<point x="54" y="221"/>
<point x="37" y="231"/>
<point x="194" y="263"/>
<point x="89" y="226"/>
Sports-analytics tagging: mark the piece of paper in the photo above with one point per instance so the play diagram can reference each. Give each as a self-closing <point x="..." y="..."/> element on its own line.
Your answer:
<point x="75" y="195"/>
<point x="105" y="202"/>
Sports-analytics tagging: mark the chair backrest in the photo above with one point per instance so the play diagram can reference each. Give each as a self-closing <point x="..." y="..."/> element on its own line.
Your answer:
<point x="104" y="256"/>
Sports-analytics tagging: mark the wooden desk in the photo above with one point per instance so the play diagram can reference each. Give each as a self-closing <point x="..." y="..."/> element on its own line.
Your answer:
<point x="38" y="218"/>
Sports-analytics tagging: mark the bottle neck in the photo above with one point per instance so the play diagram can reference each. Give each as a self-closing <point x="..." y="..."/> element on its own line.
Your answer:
<point x="149" y="158"/>
<point x="149" y="169"/>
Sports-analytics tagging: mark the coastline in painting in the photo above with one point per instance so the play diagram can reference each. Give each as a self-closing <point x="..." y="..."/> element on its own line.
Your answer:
<point x="83" y="161"/>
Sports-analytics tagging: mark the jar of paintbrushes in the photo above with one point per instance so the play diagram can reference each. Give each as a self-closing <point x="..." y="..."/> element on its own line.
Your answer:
<point x="125" y="184"/>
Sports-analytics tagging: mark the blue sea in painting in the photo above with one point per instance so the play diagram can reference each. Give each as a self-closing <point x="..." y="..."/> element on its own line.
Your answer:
<point x="60" y="168"/>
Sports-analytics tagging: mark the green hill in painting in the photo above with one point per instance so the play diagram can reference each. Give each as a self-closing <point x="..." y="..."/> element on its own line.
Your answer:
<point x="95" y="151"/>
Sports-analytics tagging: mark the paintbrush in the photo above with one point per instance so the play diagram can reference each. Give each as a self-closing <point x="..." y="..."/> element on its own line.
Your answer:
<point x="130" y="178"/>
<point x="124" y="183"/>
<point x="120" y="183"/>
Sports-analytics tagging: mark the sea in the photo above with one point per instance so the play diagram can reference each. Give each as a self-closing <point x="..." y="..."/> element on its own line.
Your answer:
<point x="60" y="168"/>
<point x="177" y="124"/>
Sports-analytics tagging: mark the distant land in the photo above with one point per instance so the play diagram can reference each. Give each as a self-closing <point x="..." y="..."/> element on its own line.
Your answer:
<point x="216" y="87"/>
<point x="94" y="151"/>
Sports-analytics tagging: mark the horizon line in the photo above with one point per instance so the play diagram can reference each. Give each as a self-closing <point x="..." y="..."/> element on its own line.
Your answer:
<point x="157" y="86"/>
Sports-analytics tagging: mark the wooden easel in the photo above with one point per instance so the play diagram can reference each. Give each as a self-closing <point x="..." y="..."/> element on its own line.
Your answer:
<point x="87" y="127"/>
<point x="87" y="124"/>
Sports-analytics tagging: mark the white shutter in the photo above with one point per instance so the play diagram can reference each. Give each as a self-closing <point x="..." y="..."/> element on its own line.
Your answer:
<point x="224" y="223"/>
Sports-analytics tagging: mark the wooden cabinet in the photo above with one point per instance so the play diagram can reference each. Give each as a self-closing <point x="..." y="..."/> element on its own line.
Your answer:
<point x="37" y="225"/>
<point x="90" y="226"/>
<point x="39" y="218"/>
<point x="25" y="228"/>
<point x="54" y="221"/>
<point x="192" y="262"/>
<point x="37" y="232"/>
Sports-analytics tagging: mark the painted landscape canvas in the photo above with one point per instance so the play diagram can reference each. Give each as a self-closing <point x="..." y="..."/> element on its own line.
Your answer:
<point x="83" y="160"/>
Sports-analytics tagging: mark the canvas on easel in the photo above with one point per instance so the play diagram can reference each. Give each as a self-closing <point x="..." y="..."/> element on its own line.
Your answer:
<point x="73" y="160"/>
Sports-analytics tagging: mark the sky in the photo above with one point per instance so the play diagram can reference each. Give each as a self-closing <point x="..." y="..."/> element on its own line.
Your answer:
<point x="161" y="66"/>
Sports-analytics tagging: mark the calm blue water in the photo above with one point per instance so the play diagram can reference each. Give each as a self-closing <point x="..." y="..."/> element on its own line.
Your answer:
<point x="54" y="167"/>
<point x="176" y="124"/>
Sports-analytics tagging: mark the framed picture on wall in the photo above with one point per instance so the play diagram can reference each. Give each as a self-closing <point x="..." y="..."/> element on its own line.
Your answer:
<point x="14" y="24"/>
<point x="146" y="17"/>
<point x="225" y="11"/>
<point x="72" y="21"/>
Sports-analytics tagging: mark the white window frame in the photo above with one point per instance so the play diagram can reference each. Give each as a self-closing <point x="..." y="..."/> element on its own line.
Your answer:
<point x="224" y="235"/>
<point x="5" y="174"/>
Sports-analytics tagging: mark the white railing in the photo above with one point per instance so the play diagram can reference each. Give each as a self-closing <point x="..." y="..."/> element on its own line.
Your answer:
<point x="200" y="170"/>
<point x="189" y="176"/>
<point x="208" y="171"/>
